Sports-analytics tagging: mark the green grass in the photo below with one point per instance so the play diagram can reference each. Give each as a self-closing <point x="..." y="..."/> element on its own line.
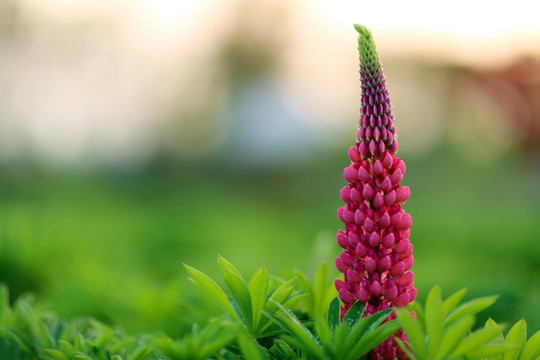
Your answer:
<point x="109" y="246"/>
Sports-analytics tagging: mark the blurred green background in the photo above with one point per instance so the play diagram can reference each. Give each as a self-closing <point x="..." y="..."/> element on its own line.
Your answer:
<point x="132" y="144"/>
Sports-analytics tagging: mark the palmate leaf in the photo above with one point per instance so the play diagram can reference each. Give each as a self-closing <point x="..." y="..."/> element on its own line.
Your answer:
<point x="349" y="320"/>
<point x="434" y="321"/>
<point x="240" y="293"/>
<point x="476" y="339"/>
<point x="471" y="307"/>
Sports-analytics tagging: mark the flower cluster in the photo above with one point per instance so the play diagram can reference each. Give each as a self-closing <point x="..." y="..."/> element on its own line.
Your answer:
<point x="377" y="254"/>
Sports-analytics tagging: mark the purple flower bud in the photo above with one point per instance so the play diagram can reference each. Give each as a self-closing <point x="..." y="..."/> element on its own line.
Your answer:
<point x="402" y="246"/>
<point x="385" y="263"/>
<point x="377" y="168"/>
<point x="396" y="177"/>
<point x="353" y="238"/>
<point x="361" y="250"/>
<point x="346" y="258"/>
<point x="412" y="294"/>
<point x="388" y="239"/>
<point x="367" y="192"/>
<point x="369" y="224"/>
<point x="378" y="200"/>
<point x="391" y="293"/>
<point x="407" y="252"/>
<point x="394" y="146"/>
<point x="390" y="198"/>
<point x="363" y="174"/>
<point x="402" y="194"/>
<point x="402" y="300"/>
<point x="363" y="150"/>
<point x="342" y="239"/>
<point x="340" y="266"/>
<point x="405" y="223"/>
<point x="375" y="289"/>
<point x="372" y="148"/>
<point x="377" y="133"/>
<point x="355" y="196"/>
<point x="345" y="194"/>
<point x="386" y="185"/>
<point x="409" y="262"/>
<point x="371" y="264"/>
<point x="346" y="296"/>
<point x="339" y="284"/>
<point x="395" y="219"/>
<point x="369" y="132"/>
<point x="397" y="269"/>
<point x="359" y="217"/>
<point x="406" y="279"/>
<point x="353" y="173"/>
<point x="363" y="295"/>
<point x="374" y="239"/>
<point x="353" y="154"/>
<point x="348" y="216"/>
<point x="353" y="276"/>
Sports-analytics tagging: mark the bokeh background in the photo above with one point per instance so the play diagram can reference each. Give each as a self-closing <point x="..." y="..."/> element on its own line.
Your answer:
<point x="139" y="134"/>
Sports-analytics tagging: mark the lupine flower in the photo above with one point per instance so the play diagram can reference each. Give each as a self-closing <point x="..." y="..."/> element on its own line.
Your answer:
<point x="377" y="254"/>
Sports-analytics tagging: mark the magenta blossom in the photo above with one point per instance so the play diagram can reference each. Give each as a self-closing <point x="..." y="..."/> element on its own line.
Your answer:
<point x="377" y="255"/>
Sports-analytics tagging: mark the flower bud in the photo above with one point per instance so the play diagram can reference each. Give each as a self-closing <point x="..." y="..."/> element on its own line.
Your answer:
<point x="353" y="276"/>
<point x="406" y="279"/>
<point x="386" y="185"/>
<point x="363" y="295"/>
<point x="405" y="223"/>
<point x="402" y="300"/>
<point x="402" y="246"/>
<point x="388" y="239"/>
<point x="402" y="194"/>
<point x="353" y="154"/>
<point x="371" y="264"/>
<point x="377" y="167"/>
<point x="374" y="239"/>
<point x="355" y="196"/>
<point x="353" y="238"/>
<point x="348" y="216"/>
<point x="342" y="239"/>
<point x="395" y="219"/>
<point x="369" y="133"/>
<point x="345" y="194"/>
<point x="397" y="269"/>
<point x="340" y="266"/>
<point x="346" y="259"/>
<point x="367" y="192"/>
<point x="407" y="253"/>
<point x="340" y="284"/>
<point x="361" y="250"/>
<point x="396" y="177"/>
<point x="363" y="150"/>
<point x="346" y="296"/>
<point x="390" y="198"/>
<point x="384" y="263"/>
<point x="369" y="224"/>
<point x="377" y="134"/>
<point x="372" y="147"/>
<point x="375" y="288"/>
<point x="363" y="174"/>
<point x="378" y="200"/>
<point x="384" y="222"/>
<point x="409" y="262"/>
<point x="387" y="160"/>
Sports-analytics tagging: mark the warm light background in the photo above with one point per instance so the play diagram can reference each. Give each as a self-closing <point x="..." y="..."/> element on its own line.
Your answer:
<point x="139" y="134"/>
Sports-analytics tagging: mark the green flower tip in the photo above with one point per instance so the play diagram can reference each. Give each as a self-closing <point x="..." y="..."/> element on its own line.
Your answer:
<point x="366" y="46"/>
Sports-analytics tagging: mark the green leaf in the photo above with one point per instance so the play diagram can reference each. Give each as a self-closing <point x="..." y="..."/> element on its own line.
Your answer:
<point x="531" y="350"/>
<point x="516" y="336"/>
<point x="226" y="265"/>
<point x="258" y="286"/>
<point x="354" y="314"/>
<point x="5" y="311"/>
<point x="413" y="331"/>
<point x="477" y="339"/>
<point x="372" y="338"/>
<point x="454" y="335"/>
<point x="251" y="349"/>
<point x="493" y="350"/>
<point x="302" y="337"/>
<point x="405" y="349"/>
<point x="305" y="285"/>
<point x="365" y="326"/>
<point x="319" y="282"/>
<point x="56" y="354"/>
<point x="434" y="321"/>
<point x="209" y="286"/>
<point x="453" y="300"/>
<point x="284" y="351"/>
<point x="241" y="294"/>
<point x="471" y="307"/>
<point x="333" y="315"/>
<point x="141" y="353"/>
